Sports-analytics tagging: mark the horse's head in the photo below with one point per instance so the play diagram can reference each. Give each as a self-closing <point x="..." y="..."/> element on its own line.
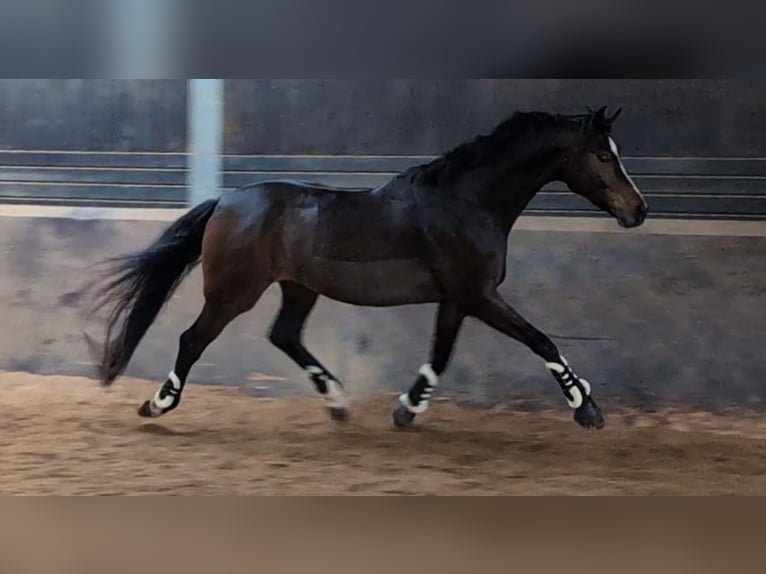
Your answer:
<point x="593" y="169"/>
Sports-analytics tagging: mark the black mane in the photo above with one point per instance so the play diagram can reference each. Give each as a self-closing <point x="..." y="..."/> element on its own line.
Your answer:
<point x="509" y="139"/>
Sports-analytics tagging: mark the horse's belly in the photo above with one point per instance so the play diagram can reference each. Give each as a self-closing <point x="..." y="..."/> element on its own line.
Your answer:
<point x="378" y="284"/>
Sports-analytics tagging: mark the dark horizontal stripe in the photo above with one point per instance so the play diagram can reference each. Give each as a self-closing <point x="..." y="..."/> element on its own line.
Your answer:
<point x="75" y="202"/>
<point x="696" y="166"/>
<point x="89" y="159"/>
<point x="348" y="164"/>
<point x="42" y="191"/>
<point x="89" y="175"/>
<point x="392" y="164"/>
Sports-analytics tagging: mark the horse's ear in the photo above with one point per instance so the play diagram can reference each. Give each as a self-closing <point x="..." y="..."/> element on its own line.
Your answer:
<point x="591" y="118"/>
<point x="596" y="118"/>
<point x="599" y="120"/>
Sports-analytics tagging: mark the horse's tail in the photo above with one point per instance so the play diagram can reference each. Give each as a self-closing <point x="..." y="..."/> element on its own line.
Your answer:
<point x="136" y="287"/>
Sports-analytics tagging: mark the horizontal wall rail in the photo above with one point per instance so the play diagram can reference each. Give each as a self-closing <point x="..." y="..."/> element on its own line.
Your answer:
<point x="730" y="188"/>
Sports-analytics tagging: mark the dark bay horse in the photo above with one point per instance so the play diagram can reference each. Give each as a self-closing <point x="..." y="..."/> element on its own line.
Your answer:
<point x="436" y="233"/>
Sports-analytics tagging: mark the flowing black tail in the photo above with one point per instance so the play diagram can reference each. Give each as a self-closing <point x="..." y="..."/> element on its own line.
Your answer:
<point x="137" y="286"/>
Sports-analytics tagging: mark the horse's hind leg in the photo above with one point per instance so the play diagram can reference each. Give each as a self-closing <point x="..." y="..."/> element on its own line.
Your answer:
<point x="449" y="318"/>
<point x="286" y="334"/>
<point x="216" y="314"/>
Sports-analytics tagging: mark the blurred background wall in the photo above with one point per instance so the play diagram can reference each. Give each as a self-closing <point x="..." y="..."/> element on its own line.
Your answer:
<point x="695" y="146"/>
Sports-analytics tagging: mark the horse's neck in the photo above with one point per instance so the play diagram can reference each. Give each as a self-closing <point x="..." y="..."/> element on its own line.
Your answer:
<point x="508" y="192"/>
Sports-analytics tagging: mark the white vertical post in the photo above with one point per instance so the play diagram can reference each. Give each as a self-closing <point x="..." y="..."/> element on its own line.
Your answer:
<point x="205" y="146"/>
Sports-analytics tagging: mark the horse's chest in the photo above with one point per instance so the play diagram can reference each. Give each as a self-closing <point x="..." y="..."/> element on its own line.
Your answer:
<point x="354" y="227"/>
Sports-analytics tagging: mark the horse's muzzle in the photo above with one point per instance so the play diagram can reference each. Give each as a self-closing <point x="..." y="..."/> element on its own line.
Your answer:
<point x="634" y="219"/>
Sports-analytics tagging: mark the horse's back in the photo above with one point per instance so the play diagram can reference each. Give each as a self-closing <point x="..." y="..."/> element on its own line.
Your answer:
<point x="299" y="202"/>
<point x="348" y="245"/>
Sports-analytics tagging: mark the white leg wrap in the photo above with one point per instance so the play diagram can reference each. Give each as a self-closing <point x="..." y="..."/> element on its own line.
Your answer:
<point x="430" y="375"/>
<point x="414" y="409"/>
<point x="174" y="380"/>
<point x="556" y="368"/>
<point x="563" y="373"/>
<point x="432" y="379"/>
<point x="577" y="399"/>
<point x="162" y="403"/>
<point x="335" y="398"/>
<point x="159" y="404"/>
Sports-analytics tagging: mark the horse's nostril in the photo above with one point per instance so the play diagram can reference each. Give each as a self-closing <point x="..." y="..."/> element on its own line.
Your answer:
<point x="640" y="215"/>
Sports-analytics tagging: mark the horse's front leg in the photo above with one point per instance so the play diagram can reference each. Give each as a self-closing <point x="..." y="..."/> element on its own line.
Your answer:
<point x="449" y="318"/>
<point x="496" y="313"/>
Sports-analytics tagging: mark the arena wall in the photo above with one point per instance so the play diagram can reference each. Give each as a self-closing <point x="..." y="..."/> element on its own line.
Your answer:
<point x="675" y="311"/>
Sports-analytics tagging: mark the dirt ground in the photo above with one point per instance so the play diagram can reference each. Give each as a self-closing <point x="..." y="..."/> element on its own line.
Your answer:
<point x="65" y="435"/>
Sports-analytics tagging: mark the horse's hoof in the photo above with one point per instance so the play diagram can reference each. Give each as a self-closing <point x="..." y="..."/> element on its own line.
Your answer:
<point x="589" y="415"/>
<point x="402" y="416"/>
<point x="146" y="411"/>
<point x="339" y="414"/>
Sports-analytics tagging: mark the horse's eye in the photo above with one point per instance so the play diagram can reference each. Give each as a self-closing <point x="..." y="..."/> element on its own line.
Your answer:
<point x="605" y="157"/>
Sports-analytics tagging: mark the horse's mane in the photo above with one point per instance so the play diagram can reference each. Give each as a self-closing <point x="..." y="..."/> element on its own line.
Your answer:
<point x="507" y="140"/>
